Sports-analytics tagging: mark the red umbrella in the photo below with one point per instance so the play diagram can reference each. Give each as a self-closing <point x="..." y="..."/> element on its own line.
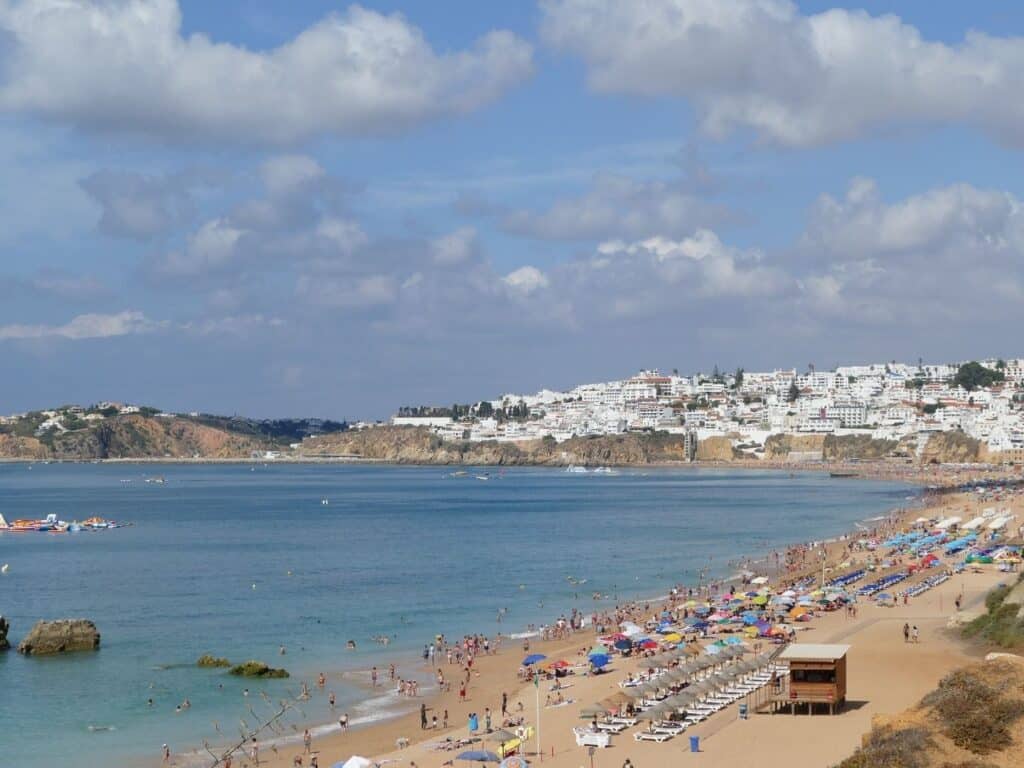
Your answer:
<point x="648" y="645"/>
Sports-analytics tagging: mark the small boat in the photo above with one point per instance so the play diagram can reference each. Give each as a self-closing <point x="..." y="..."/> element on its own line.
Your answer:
<point x="576" y="470"/>
<point x="842" y="474"/>
<point x="482" y="477"/>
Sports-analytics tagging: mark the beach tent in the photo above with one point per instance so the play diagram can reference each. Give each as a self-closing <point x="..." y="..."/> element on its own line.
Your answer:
<point x="599" y="660"/>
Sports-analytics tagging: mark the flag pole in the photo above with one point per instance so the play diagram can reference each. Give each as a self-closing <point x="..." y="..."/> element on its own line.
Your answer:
<point x="536" y="688"/>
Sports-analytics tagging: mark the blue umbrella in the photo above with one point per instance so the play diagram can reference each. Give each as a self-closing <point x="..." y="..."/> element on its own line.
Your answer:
<point x="623" y="645"/>
<point x="533" y="658"/>
<point x="599" y="660"/>
<point x="479" y="756"/>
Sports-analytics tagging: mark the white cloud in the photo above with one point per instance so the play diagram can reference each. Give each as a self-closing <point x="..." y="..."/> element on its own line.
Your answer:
<point x="526" y="280"/>
<point x="618" y="206"/>
<point x="458" y="247"/>
<point x="284" y="174"/>
<point x="90" y="326"/>
<point x="124" y="65"/>
<point x="702" y="262"/>
<point x="938" y="256"/>
<point x="209" y="249"/>
<point x="794" y="79"/>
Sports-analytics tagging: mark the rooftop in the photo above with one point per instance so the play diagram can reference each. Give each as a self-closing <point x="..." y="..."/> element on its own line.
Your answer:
<point x="814" y="652"/>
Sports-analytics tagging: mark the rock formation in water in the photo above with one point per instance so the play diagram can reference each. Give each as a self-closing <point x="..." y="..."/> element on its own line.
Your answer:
<point x="257" y="669"/>
<point x="62" y="636"/>
<point x="4" y="628"/>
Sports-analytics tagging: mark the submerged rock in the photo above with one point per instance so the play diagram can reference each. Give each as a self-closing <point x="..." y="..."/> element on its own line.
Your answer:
<point x="61" y="636"/>
<point x="4" y="627"/>
<point x="257" y="669"/>
<point x="206" y="660"/>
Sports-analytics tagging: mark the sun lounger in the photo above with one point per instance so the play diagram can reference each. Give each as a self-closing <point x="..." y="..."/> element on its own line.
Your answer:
<point x="611" y="727"/>
<point x="629" y="722"/>
<point x="648" y="736"/>
<point x="672" y="728"/>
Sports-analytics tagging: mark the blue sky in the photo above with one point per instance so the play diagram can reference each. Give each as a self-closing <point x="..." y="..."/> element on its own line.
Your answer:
<point x="322" y="209"/>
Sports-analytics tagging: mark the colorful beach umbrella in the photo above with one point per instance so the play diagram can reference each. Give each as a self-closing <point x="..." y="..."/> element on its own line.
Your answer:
<point x="533" y="658"/>
<point x="479" y="756"/>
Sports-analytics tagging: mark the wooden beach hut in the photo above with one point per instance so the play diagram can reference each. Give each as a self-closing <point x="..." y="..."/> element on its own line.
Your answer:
<point x="817" y="675"/>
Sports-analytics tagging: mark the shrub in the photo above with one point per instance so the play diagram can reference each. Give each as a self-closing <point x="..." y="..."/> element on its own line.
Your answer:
<point x="973" y="714"/>
<point x="891" y="748"/>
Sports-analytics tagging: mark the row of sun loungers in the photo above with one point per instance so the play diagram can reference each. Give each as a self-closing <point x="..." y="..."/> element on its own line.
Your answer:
<point x="924" y="586"/>
<point x="661" y="730"/>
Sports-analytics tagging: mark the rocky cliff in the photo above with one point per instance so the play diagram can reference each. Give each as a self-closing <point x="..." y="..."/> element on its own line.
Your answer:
<point x="5" y="627"/>
<point x="63" y="636"/>
<point x="134" y="436"/>
<point x="417" y="445"/>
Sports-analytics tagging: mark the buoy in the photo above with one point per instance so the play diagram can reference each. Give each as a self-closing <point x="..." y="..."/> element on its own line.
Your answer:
<point x="5" y="568"/>
<point x="254" y="585"/>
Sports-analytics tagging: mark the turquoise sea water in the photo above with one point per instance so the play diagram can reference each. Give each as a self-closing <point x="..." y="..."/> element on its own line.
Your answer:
<point x="407" y="552"/>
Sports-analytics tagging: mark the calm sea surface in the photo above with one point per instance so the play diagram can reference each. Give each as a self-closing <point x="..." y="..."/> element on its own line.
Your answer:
<point x="238" y="560"/>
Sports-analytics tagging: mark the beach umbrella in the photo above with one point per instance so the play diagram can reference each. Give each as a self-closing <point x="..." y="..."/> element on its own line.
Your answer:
<point x="672" y="637"/>
<point x="760" y="600"/>
<point x="647" y="688"/>
<point x="648" y="645"/>
<point x="599" y="659"/>
<point x="714" y="650"/>
<point x="479" y="756"/>
<point x="634" y="692"/>
<point x="357" y="762"/>
<point x="533" y="658"/>
<point x="513" y="762"/>
<point x="598" y="649"/>
<point x="594" y="710"/>
<point x="629" y="629"/>
<point x="501" y="736"/>
<point x="624" y="644"/>
<point x="704" y="662"/>
<point x="737" y="645"/>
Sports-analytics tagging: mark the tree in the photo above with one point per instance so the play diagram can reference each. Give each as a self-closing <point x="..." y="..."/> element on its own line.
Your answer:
<point x="739" y="377"/>
<point x="794" y="392"/>
<point x="484" y="409"/>
<point x="973" y="375"/>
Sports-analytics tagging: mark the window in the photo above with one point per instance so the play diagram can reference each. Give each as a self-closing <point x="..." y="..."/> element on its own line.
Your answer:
<point x="813" y="676"/>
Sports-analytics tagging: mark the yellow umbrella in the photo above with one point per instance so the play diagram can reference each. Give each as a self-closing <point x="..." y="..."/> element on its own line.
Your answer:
<point x="798" y="611"/>
<point x="673" y="637"/>
<point x="690" y="604"/>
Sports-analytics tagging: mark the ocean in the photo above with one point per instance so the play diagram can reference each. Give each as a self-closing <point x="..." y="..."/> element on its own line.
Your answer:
<point x="238" y="560"/>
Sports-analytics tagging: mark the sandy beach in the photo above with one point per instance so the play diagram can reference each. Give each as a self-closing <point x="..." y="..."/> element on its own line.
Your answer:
<point x="886" y="676"/>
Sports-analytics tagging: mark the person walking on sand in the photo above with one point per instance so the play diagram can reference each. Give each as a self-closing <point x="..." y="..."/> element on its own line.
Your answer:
<point x="167" y="754"/>
<point x="906" y="633"/>
<point x="914" y="634"/>
<point x="373" y="676"/>
<point x="307" y="741"/>
<point x="423" y="717"/>
<point x="343" y="722"/>
<point x="504" y="704"/>
<point x="254" y="752"/>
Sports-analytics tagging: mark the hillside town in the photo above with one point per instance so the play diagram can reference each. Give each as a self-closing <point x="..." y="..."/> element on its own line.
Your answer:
<point x="888" y="401"/>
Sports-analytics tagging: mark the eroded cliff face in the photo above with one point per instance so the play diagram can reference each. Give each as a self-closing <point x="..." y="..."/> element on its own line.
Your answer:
<point x="417" y="445"/>
<point x="134" y="437"/>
